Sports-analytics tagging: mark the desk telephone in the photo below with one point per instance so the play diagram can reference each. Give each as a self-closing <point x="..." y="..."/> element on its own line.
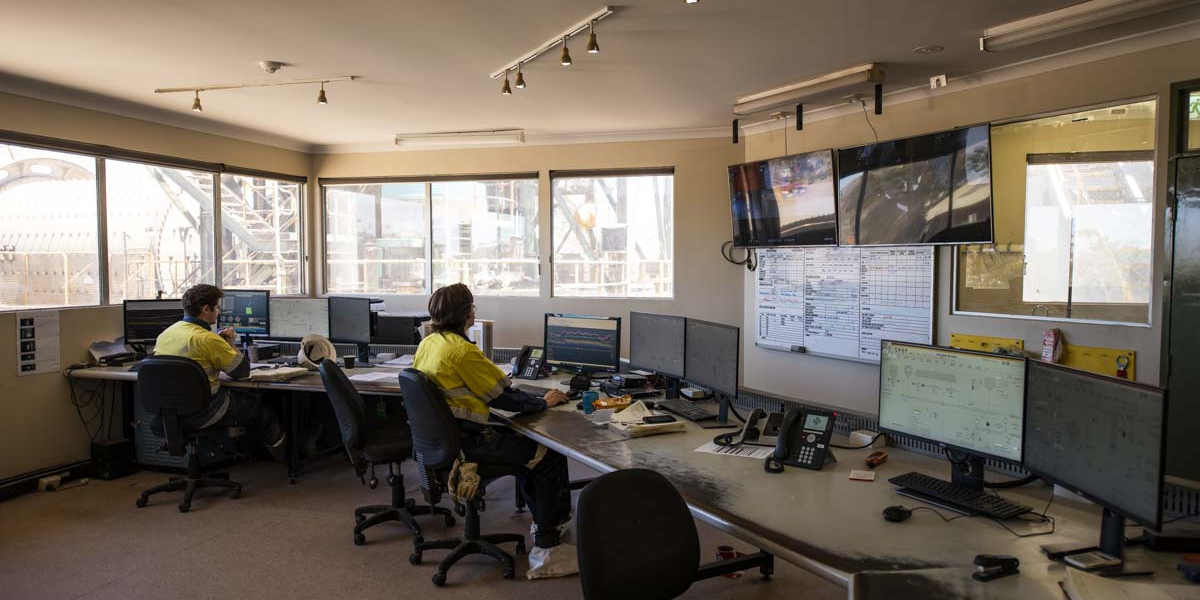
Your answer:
<point x="802" y="441"/>
<point x="531" y="363"/>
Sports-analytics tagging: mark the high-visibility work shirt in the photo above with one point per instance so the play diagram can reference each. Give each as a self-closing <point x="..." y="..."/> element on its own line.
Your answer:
<point x="210" y="350"/>
<point x="468" y="379"/>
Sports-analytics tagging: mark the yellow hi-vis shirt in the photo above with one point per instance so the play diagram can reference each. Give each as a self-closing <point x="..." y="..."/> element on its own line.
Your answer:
<point x="469" y="380"/>
<point x="201" y="345"/>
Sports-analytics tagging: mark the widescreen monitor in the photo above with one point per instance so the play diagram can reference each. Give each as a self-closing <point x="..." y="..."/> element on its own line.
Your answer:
<point x="350" y="319"/>
<point x="656" y="343"/>
<point x="294" y="318"/>
<point x="786" y="201"/>
<point x="246" y="311"/>
<point x="583" y="343"/>
<point x="711" y="356"/>
<point x="929" y="189"/>
<point x="145" y="319"/>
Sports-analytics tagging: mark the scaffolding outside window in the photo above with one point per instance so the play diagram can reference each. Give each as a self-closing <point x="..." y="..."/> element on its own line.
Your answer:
<point x="485" y="235"/>
<point x="376" y="238"/>
<point x="261" y="234"/>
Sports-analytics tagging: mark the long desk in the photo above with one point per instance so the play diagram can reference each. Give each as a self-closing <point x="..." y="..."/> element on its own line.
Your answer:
<point x="820" y="520"/>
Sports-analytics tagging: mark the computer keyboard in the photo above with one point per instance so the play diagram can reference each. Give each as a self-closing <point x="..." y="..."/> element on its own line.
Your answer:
<point x="955" y="497"/>
<point x="686" y="409"/>
<point x="540" y="392"/>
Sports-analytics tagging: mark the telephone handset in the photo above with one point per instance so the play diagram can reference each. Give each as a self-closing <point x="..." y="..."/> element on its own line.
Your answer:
<point x="803" y="441"/>
<point x="530" y="363"/>
<point x="761" y="429"/>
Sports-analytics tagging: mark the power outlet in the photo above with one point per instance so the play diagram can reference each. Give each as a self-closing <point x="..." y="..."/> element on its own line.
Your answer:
<point x="49" y="483"/>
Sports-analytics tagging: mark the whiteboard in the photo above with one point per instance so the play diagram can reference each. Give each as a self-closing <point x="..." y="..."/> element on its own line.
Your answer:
<point x="841" y="302"/>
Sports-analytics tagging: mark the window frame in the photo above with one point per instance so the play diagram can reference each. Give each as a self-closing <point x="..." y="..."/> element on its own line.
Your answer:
<point x="103" y="153"/>
<point x="619" y="172"/>
<point x="1156" y="153"/>
<point x="323" y="183"/>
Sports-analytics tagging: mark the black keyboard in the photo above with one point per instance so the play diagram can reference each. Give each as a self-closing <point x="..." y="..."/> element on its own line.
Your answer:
<point x="540" y="392"/>
<point x="135" y="366"/>
<point x="686" y="409"/>
<point x="956" y="497"/>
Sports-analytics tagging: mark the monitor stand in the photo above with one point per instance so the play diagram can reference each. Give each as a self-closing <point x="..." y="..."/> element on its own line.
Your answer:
<point x="968" y="473"/>
<point x="1112" y="543"/>
<point x="364" y="353"/>
<point x="672" y="390"/>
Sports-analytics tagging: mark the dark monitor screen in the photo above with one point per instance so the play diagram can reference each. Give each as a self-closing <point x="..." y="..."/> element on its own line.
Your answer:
<point x="587" y="344"/>
<point x="964" y="400"/>
<point x="1098" y="436"/>
<point x="929" y="189"/>
<point x="350" y="319"/>
<point x="786" y="201"/>
<point x="246" y="311"/>
<point x="711" y="355"/>
<point x="145" y="319"/>
<point x="656" y="343"/>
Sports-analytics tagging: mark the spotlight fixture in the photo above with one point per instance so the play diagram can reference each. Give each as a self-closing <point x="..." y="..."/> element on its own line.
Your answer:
<point x="565" y="59"/>
<point x="592" y="47"/>
<point x="196" y="89"/>
<point x="321" y="96"/>
<point x="693" y="1"/>
<point x="505" y="90"/>
<point x="520" y="78"/>
<point x="196" y="103"/>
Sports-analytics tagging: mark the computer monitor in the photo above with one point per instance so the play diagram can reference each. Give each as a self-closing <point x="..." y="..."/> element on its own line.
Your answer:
<point x="711" y="353"/>
<point x="246" y="311"/>
<point x="964" y="401"/>
<point x="294" y="318"/>
<point x="1101" y="438"/>
<point x="583" y="343"/>
<point x="145" y="319"/>
<point x="656" y="343"/>
<point x="350" y="322"/>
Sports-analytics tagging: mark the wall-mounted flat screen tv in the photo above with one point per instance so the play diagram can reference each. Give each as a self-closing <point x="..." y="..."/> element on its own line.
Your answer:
<point x="929" y="189"/>
<point x="786" y="201"/>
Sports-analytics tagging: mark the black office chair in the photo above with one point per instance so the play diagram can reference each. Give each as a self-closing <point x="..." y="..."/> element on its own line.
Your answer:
<point x="436" y="444"/>
<point x="652" y="534"/>
<point x="374" y="444"/>
<point x="173" y="388"/>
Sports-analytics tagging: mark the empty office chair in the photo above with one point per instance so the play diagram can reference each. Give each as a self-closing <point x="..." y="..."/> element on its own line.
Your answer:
<point x="436" y="443"/>
<point x="173" y="388"/>
<point x="653" y="536"/>
<point x="380" y="444"/>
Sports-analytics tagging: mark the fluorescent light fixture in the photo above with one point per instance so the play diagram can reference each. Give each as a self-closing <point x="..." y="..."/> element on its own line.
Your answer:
<point x="461" y="138"/>
<point x="803" y="92"/>
<point x="1069" y="20"/>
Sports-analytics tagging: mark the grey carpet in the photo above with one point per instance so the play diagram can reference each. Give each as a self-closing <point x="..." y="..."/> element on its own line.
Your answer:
<point x="281" y="541"/>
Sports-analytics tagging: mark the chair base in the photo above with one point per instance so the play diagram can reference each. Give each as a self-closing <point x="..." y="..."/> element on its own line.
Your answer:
<point x="461" y="547"/>
<point x="188" y="485"/>
<point x="370" y="516"/>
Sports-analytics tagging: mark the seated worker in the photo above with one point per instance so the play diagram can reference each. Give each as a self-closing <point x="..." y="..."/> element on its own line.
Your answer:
<point x="215" y="352"/>
<point x="472" y="383"/>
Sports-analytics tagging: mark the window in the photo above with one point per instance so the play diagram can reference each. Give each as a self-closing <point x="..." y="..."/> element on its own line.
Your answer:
<point x="160" y="230"/>
<point x="48" y="229"/>
<point x="614" y="235"/>
<point x="389" y="237"/>
<point x="261" y="234"/>
<point x="1074" y="214"/>
<point x="485" y="235"/>
<point x="1193" y="121"/>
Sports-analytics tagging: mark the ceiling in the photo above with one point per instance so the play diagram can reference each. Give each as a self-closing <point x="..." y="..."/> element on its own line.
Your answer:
<point x="664" y="65"/>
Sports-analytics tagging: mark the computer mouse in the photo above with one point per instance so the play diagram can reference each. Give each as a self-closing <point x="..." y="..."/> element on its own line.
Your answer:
<point x="896" y="514"/>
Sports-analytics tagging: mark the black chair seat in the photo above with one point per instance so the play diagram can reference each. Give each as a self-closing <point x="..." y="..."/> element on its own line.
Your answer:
<point x="388" y="444"/>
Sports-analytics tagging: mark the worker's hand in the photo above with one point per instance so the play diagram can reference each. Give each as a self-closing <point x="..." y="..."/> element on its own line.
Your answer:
<point x="554" y="398"/>
<point x="229" y="334"/>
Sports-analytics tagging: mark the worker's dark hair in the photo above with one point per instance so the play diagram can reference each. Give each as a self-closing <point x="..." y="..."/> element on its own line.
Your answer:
<point x="450" y="308"/>
<point x="198" y="296"/>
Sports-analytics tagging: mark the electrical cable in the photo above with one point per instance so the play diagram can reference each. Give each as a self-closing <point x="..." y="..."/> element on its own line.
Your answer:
<point x="864" y="109"/>
<point x="750" y="262"/>
<point x="867" y="445"/>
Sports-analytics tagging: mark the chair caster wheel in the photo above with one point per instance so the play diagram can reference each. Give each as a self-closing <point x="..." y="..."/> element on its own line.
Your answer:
<point x="439" y="579"/>
<point x="141" y="502"/>
<point x="460" y="509"/>
<point x="414" y="558"/>
<point x="235" y="493"/>
<point x="449" y="520"/>
<point x="510" y="573"/>
<point x="359" y="519"/>
<point x="360" y="539"/>
<point x="184" y="508"/>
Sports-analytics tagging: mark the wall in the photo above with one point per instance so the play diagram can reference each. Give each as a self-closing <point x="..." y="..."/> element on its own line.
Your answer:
<point x="855" y="385"/>
<point x="705" y="285"/>
<point x="38" y="425"/>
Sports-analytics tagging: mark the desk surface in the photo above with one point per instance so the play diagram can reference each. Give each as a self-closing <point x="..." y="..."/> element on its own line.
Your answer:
<point x="820" y="520"/>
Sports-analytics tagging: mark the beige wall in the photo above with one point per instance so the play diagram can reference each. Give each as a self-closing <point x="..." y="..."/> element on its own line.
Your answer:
<point x="706" y="286"/>
<point x="38" y="426"/>
<point x="855" y="385"/>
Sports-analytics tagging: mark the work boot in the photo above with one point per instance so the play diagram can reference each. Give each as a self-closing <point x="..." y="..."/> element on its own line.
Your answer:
<point x="557" y="561"/>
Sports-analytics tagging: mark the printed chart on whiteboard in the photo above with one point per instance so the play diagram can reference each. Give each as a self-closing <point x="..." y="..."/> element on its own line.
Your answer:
<point x="842" y="301"/>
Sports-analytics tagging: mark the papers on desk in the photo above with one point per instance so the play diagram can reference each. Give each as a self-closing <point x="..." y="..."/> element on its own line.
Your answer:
<point x="374" y="376"/>
<point x="629" y="422"/>
<point x="744" y="451"/>
<point x="400" y="361"/>
<point x="1084" y="586"/>
<point x="280" y="374"/>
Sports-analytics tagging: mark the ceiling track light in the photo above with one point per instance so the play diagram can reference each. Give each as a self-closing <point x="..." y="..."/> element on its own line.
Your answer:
<point x="321" y="99"/>
<point x="196" y="103"/>
<point x="587" y="24"/>
<point x="693" y="1"/>
<point x="520" y="78"/>
<point x="505" y="90"/>
<point x="239" y="86"/>
<point x="592" y="47"/>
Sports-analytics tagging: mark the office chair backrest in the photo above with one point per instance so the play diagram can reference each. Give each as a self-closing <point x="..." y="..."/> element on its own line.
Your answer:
<point x="652" y="533"/>
<point x="348" y="406"/>
<point x="172" y="388"/>
<point x="436" y="437"/>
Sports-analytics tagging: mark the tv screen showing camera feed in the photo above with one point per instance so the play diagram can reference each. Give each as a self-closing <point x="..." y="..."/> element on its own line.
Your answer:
<point x="930" y="189"/>
<point x="787" y="201"/>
